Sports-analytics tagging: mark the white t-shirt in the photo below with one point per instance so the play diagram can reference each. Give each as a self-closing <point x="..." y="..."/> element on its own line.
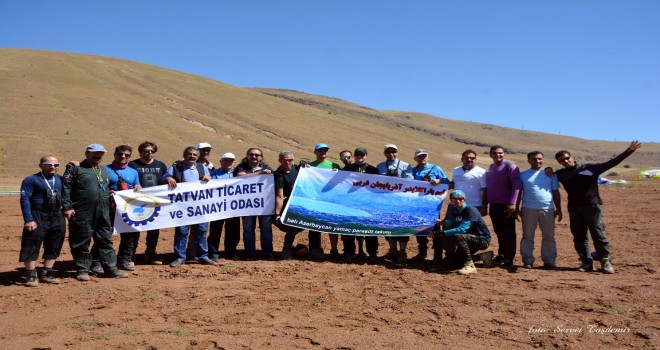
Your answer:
<point x="472" y="182"/>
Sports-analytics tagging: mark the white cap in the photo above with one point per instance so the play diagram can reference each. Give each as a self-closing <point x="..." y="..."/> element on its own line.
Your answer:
<point x="390" y="146"/>
<point x="420" y="151"/>
<point x="227" y="156"/>
<point x="204" y="145"/>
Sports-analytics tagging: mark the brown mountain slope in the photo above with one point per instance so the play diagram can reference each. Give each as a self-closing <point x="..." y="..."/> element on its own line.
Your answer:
<point x="57" y="103"/>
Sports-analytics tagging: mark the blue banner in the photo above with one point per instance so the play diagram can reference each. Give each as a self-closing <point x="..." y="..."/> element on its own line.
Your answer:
<point x="363" y="204"/>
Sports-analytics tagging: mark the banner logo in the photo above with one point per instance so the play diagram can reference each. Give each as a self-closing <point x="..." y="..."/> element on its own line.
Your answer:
<point x="140" y="210"/>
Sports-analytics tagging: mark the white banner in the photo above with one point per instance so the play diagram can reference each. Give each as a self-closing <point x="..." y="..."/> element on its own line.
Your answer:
<point x="193" y="203"/>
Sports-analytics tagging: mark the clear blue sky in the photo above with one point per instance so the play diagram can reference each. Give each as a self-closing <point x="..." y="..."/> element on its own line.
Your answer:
<point x="585" y="68"/>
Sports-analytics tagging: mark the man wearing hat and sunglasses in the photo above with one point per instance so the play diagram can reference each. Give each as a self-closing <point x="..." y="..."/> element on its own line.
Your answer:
<point x="433" y="174"/>
<point x="395" y="167"/>
<point x="86" y="202"/>
<point x="232" y="225"/>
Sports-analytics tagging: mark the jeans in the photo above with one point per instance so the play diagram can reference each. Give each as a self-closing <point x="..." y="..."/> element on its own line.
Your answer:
<point x="349" y="244"/>
<point x="505" y="229"/>
<point x="199" y="236"/>
<point x="588" y="218"/>
<point x="249" y="235"/>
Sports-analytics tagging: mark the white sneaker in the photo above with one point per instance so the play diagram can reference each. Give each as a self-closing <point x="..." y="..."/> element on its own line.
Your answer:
<point x="467" y="269"/>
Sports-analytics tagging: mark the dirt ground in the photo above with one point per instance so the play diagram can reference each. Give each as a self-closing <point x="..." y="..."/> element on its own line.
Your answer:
<point x="301" y="304"/>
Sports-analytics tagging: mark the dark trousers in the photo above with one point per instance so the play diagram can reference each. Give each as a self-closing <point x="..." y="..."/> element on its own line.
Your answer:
<point x="505" y="229"/>
<point x="49" y="232"/>
<point x="461" y="247"/>
<point x="83" y="227"/>
<point x="129" y="241"/>
<point x="232" y="237"/>
<point x="588" y="218"/>
<point x="350" y="247"/>
<point x="314" y="239"/>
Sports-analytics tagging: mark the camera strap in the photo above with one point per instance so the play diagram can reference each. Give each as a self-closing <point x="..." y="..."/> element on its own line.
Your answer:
<point x="50" y="188"/>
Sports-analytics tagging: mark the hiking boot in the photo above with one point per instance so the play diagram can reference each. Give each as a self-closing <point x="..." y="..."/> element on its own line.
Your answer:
<point x="586" y="267"/>
<point x="286" y="254"/>
<point x="126" y="266"/>
<point x="486" y="258"/>
<point x="607" y="266"/>
<point x="83" y="276"/>
<point x="97" y="268"/>
<point x="115" y="273"/>
<point x="334" y="254"/>
<point x="362" y="255"/>
<point x="205" y="261"/>
<point x="373" y="259"/>
<point x="177" y="262"/>
<point x="48" y="276"/>
<point x="31" y="279"/>
<point x="392" y="255"/>
<point x="528" y="266"/>
<point x="151" y="258"/>
<point x="402" y="258"/>
<point x="467" y="269"/>
<point x="421" y="256"/>
<point x="498" y="260"/>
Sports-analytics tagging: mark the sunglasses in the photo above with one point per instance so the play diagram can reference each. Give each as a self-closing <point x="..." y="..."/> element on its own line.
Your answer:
<point x="359" y="155"/>
<point x="323" y="150"/>
<point x="456" y="199"/>
<point x="254" y="155"/>
<point x="345" y="157"/>
<point x="48" y="164"/>
<point x="127" y="155"/>
<point x="148" y="151"/>
<point x="391" y="152"/>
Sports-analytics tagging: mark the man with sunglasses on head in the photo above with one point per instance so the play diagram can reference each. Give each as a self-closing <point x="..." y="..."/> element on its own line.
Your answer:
<point x="122" y="177"/>
<point x="464" y="232"/>
<point x="41" y="205"/>
<point x="433" y="174"/>
<point x="321" y="153"/>
<point x="150" y="171"/>
<point x="360" y="165"/>
<point x="584" y="205"/>
<point x="86" y="201"/>
<point x="395" y="167"/>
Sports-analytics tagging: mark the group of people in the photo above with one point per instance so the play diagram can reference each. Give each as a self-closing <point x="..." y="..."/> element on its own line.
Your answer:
<point x="83" y="197"/>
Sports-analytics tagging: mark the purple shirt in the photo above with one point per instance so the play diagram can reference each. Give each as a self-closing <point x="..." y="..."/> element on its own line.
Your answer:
<point x="503" y="183"/>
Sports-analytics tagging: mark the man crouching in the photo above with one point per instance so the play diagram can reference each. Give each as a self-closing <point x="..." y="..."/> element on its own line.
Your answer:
<point x="464" y="233"/>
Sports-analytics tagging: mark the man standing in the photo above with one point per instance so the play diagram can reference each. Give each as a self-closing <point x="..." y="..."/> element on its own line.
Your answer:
<point x="205" y="155"/>
<point x="189" y="171"/>
<point x="584" y="204"/>
<point x="503" y="185"/>
<point x="433" y="174"/>
<point x="321" y="153"/>
<point x="346" y="157"/>
<point x="361" y="166"/>
<point x="285" y="178"/>
<point x="150" y="171"/>
<point x="41" y="205"/>
<point x="232" y="225"/>
<point x="122" y="177"/>
<point x="541" y="204"/>
<point x="471" y="179"/>
<point x="464" y="233"/>
<point x="85" y="198"/>
<point x="394" y="167"/>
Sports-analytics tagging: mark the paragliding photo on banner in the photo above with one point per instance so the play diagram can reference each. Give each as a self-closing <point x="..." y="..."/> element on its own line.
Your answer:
<point x="362" y="204"/>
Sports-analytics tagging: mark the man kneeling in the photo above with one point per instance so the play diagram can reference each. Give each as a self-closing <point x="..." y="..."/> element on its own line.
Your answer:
<point x="464" y="233"/>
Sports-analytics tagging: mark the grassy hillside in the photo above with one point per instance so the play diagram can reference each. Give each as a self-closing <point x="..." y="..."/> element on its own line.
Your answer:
<point x="57" y="103"/>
